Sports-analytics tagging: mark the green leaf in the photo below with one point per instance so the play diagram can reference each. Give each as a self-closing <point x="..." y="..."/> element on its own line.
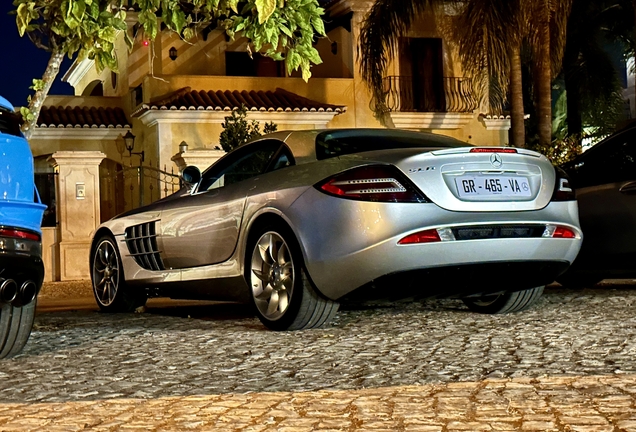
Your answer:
<point x="313" y="56"/>
<point x="285" y="30"/>
<point x="27" y="114"/>
<point x="22" y="18"/>
<point x="78" y="9"/>
<point x="306" y="70"/>
<point x="265" y="9"/>
<point x="108" y="34"/>
<point x="319" y="25"/>
<point x="38" y="84"/>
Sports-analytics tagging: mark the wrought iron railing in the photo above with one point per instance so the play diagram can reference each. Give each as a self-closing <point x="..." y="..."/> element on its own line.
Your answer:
<point x="450" y="94"/>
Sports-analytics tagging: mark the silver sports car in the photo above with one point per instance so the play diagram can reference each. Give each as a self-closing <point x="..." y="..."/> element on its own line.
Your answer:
<point x="298" y="222"/>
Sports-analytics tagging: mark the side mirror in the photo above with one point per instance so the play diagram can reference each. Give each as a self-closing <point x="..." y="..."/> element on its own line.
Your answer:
<point x="191" y="175"/>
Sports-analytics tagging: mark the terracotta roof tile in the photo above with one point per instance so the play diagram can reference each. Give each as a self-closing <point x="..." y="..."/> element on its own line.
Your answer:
<point x="279" y="100"/>
<point x="84" y="117"/>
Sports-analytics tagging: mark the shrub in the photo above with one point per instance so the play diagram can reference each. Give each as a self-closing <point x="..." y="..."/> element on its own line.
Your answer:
<point x="237" y="130"/>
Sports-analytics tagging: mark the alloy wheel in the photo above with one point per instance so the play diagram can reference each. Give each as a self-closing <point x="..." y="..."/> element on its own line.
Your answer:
<point x="272" y="275"/>
<point x="105" y="273"/>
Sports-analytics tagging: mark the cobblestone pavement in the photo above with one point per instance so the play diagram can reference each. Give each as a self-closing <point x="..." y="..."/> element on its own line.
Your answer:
<point x="568" y="364"/>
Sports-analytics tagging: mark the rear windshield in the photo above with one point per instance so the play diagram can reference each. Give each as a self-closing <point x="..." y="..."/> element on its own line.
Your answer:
<point x="9" y="122"/>
<point x="342" y="142"/>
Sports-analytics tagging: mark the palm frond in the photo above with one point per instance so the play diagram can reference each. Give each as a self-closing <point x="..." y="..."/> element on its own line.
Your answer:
<point x="386" y="22"/>
<point x="484" y="33"/>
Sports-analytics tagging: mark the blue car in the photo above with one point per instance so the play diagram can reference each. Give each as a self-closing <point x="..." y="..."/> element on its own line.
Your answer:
<point x="21" y="267"/>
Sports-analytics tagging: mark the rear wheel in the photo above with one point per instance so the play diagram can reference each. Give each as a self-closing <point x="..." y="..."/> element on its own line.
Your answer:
<point x="109" y="286"/>
<point x="15" y="328"/>
<point x="281" y="292"/>
<point x="504" y="303"/>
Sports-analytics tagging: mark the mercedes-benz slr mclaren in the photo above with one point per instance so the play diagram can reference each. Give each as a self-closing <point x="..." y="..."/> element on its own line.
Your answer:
<point x="298" y="222"/>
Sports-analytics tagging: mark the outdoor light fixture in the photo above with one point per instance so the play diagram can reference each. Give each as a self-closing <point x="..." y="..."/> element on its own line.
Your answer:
<point x="173" y="53"/>
<point x="183" y="147"/>
<point x="129" y="140"/>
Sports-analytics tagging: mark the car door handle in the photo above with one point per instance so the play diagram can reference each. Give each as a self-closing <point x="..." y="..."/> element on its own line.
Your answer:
<point x="628" y="188"/>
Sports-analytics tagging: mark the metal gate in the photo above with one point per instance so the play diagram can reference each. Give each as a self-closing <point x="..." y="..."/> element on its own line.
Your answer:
<point x="124" y="189"/>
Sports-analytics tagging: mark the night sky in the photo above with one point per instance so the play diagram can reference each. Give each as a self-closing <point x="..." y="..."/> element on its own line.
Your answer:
<point x="21" y="61"/>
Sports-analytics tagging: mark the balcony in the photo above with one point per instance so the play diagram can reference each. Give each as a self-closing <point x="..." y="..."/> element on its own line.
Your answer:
<point x="421" y="103"/>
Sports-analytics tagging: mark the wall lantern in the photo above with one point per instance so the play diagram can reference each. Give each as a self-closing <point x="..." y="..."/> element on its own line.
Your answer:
<point x="172" y="53"/>
<point x="183" y="147"/>
<point x="129" y="140"/>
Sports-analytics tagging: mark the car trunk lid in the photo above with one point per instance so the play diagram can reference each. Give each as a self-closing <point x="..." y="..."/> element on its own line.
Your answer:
<point x="482" y="178"/>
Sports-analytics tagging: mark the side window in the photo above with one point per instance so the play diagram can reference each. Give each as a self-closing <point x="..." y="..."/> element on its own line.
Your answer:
<point x="242" y="164"/>
<point x="612" y="162"/>
<point x="283" y="159"/>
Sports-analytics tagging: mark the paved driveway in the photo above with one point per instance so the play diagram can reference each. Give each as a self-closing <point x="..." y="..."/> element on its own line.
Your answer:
<point x="567" y="364"/>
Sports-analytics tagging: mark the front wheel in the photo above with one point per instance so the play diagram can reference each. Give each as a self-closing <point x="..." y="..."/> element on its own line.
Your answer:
<point x="281" y="292"/>
<point x="107" y="275"/>
<point x="504" y="303"/>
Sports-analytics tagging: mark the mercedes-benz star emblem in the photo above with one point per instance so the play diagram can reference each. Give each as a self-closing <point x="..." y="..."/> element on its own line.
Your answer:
<point x="495" y="160"/>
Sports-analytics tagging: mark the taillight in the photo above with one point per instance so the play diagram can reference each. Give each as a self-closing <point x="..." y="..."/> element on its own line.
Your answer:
<point x="492" y="150"/>
<point x="19" y="234"/>
<point x="379" y="183"/>
<point x="562" y="189"/>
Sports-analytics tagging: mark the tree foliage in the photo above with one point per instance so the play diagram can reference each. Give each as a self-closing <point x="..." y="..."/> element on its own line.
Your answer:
<point x="484" y="31"/>
<point x="280" y="29"/>
<point x="237" y="130"/>
<point x="598" y="30"/>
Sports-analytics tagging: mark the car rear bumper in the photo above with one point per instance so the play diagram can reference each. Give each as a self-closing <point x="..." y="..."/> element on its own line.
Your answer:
<point x="348" y="244"/>
<point x="461" y="280"/>
<point x="21" y="261"/>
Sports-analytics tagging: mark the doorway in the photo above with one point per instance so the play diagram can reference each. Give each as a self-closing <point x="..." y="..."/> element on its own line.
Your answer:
<point x="422" y="66"/>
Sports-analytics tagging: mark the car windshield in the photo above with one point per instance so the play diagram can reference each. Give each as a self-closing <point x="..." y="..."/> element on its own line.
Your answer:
<point x="342" y="142"/>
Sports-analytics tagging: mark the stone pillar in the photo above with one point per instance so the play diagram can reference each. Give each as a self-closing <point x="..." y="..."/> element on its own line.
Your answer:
<point x="78" y="209"/>
<point x="200" y="158"/>
<point x="360" y="8"/>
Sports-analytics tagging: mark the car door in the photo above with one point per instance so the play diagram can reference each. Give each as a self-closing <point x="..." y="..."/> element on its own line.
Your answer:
<point x="202" y="228"/>
<point x="605" y="182"/>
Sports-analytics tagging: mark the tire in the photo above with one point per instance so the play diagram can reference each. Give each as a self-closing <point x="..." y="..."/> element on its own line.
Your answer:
<point x="504" y="303"/>
<point x="579" y="280"/>
<point x="282" y="294"/>
<point x="110" y="289"/>
<point x="15" y="328"/>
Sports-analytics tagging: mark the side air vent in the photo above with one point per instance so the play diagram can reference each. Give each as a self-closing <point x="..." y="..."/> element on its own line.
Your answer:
<point x="142" y="245"/>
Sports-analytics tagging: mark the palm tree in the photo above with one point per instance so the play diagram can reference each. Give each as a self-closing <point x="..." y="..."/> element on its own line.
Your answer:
<point x="489" y="35"/>
<point x="491" y="52"/>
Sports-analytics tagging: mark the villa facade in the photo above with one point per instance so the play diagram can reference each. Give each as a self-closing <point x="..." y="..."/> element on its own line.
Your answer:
<point x="173" y="95"/>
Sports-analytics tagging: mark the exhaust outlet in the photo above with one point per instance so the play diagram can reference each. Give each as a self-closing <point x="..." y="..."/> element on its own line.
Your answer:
<point x="26" y="294"/>
<point x="8" y="290"/>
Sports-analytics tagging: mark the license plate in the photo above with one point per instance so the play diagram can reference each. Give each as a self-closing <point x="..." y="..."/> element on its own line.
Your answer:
<point x="506" y="186"/>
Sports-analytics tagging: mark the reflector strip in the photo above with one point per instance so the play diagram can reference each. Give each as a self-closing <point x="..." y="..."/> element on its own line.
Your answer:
<point x="492" y="150"/>
<point x="428" y="236"/>
<point x="563" y="232"/>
